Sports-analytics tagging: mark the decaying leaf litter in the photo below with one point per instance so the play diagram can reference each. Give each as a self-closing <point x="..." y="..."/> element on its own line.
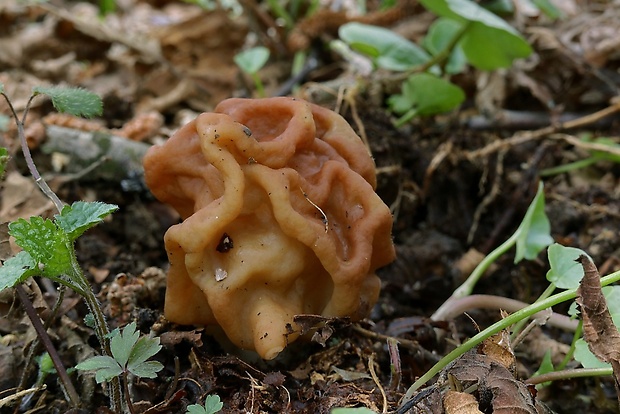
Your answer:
<point x="458" y="186"/>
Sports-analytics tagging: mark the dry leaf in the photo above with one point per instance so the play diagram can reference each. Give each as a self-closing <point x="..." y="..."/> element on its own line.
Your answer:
<point x="599" y="330"/>
<point x="455" y="402"/>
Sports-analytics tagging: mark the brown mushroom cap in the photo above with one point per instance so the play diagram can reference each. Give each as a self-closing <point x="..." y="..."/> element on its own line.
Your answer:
<point x="280" y="219"/>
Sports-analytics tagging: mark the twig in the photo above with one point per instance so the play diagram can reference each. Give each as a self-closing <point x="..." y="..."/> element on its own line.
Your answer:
<point x="49" y="346"/>
<point x="373" y="374"/>
<point x="527" y="136"/>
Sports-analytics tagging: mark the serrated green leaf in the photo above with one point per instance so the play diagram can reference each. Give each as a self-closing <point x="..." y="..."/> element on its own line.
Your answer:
<point x="534" y="231"/>
<point x="74" y="101"/>
<point x="428" y="94"/>
<point x="252" y="60"/>
<point x="105" y="367"/>
<point x="564" y="271"/>
<point x="122" y="344"/>
<point x="17" y="269"/>
<point x="81" y="216"/>
<point x="148" y="369"/>
<point x="144" y="349"/>
<point x="46" y="243"/>
<point x="489" y="41"/>
<point x="391" y="51"/>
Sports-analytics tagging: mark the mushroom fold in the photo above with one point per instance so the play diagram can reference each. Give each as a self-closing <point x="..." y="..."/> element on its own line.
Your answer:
<point x="280" y="218"/>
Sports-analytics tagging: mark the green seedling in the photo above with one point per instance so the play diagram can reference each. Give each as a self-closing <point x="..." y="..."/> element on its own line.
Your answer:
<point x="212" y="405"/>
<point x="609" y="150"/>
<point x="251" y="61"/>
<point x="48" y="245"/>
<point x="130" y="354"/>
<point x="464" y="33"/>
<point x="425" y="94"/>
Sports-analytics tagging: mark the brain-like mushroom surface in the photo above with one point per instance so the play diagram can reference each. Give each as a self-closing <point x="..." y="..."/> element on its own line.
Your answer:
<point x="280" y="218"/>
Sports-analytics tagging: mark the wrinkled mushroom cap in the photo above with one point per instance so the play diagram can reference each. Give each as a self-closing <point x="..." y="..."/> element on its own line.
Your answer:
<point x="280" y="218"/>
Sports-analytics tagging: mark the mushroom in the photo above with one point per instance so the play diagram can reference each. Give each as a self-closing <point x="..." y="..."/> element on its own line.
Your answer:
<point x="280" y="218"/>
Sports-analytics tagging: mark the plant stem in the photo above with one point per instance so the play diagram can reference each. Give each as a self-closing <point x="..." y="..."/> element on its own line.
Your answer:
<point x="74" y="398"/>
<point x="126" y="389"/>
<point x="519" y="325"/>
<point x="28" y="156"/>
<point x="569" y="373"/>
<point x="571" y="351"/>
<point x="468" y="286"/>
<point x="497" y="327"/>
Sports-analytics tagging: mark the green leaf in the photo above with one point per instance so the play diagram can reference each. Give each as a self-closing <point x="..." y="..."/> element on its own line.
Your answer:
<point x="585" y="357"/>
<point x="489" y="41"/>
<point x="487" y="48"/>
<point x="75" y="101"/>
<point x="564" y="271"/>
<point x="359" y="410"/>
<point x="546" y="366"/>
<point x="17" y="269"/>
<point x="46" y="365"/>
<point x="47" y="244"/>
<point x="121" y="344"/>
<point x="548" y="8"/>
<point x="148" y="369"/>
<point x="144" y="349"/>
<point x="534" y="231"/>
<point x="582" y="352"/>
<point x="106" y="367"/>
<point x="4" y="159"/>
<point x="212" y="405"/>
<point x="427" y="94"/>
<point x="389" y="50"/>
<point x="252" y="60"/>
<point x="440" y="34"/>
<point x="81" y="216"/>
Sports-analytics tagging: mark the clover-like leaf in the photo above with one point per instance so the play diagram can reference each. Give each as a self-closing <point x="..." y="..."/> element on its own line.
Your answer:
<point x="74" y="101"/>
<point x="212" y="405"/>
<point x="81" y="216"/>
<point x="534" y="231"/>
<point x="144" y="349"/>
<point x="565" y="272"/>
<point x="105" y="366"/>
<point x="17" y="269"/>
<point x="46" y="243"/>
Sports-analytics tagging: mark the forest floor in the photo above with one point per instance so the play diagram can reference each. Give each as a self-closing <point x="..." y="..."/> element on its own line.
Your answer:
<point x="458" y="185"/>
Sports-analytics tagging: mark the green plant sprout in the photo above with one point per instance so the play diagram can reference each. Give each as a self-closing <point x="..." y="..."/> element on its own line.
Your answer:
<point x="212" y="405"/>
<point x="130" y="354"/>
<point x="595" y="157"/>
<point x="250" y="62"/>
<point x="465" y="33"/>
<point x="564" y="273"/>
<point x="48" y="245"/>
